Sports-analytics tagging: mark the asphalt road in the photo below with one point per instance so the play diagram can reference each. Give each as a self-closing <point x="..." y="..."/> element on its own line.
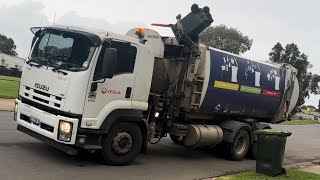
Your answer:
<point x="22" y="157"/>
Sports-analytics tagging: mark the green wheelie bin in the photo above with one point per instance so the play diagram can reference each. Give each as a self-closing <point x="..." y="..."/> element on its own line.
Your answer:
<point x="271" y="145"/>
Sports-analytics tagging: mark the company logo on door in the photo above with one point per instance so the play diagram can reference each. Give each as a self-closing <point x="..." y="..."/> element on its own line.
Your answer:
<point x="41" y="86"/>
<point x="109" y="91"/>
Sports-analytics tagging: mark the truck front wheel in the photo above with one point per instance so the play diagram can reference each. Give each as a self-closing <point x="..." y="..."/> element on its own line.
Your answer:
<point x="122" y="144"/>
<point x="240" y="146"/>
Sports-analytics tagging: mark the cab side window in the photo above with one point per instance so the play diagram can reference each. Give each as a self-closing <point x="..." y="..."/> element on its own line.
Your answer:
<point x="126" y="57"/>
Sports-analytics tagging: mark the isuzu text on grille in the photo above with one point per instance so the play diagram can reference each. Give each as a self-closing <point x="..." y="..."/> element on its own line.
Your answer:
<point x="41" y="86"/>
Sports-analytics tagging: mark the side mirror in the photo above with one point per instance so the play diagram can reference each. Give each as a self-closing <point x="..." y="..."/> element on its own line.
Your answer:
<point x="109" y="62"/>
<point x="94" y="87"/>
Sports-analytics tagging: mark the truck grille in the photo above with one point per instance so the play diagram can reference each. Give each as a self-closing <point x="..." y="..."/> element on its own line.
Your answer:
<point x="50" y="109"/>
<point x="43" y="97"/>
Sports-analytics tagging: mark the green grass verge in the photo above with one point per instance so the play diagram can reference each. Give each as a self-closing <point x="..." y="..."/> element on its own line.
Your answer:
<point x="291" y="174"/>
<point x="9" y="87"/>
<point x="299" y="122"/>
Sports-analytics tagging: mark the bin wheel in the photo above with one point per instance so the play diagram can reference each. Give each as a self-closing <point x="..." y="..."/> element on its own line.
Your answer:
<point x="175" y="139"/>
<point x="240" y="146"/>
<point x="284" y="171"/>
<point x="122" y="144"/>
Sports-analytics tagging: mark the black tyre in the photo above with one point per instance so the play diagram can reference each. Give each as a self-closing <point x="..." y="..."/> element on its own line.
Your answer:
<point x="122" y="144"/>
<point x="253" y="154"/>
<point x="176" y="139"/>
<point x="240" y="146"/>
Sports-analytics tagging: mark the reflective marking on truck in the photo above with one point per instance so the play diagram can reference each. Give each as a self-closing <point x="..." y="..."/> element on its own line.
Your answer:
<point x="249" y="89"/>
<point x="266" y="92"/>
<point x="226" y="85"/>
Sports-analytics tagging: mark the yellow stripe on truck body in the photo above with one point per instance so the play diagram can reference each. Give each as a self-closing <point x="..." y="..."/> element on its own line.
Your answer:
<point x="226" y="85"/>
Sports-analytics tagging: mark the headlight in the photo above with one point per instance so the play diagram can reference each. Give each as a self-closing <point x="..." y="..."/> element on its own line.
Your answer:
<point x="15" y="112"/>
<point x="65" y="131"/>
<point x="65" y="127"/>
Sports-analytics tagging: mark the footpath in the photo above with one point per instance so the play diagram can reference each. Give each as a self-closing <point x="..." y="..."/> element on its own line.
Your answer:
<point x="310" y="166"/>
<point x="7" y="104"/>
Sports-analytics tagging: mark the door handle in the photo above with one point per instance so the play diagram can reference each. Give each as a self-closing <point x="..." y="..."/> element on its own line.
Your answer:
<point x="128" y="92"/>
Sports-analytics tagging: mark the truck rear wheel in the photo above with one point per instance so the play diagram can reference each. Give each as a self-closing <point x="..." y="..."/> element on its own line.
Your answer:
<point x="240" y="146"/>
<point x="122" y="144"/>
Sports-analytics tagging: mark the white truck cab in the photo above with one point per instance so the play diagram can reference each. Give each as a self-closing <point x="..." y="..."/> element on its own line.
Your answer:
<point x="75" y="78"/>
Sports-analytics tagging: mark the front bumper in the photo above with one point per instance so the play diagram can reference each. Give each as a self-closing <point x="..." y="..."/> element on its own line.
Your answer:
<point x="69" y="149"/>
<point x="49" y="122"/>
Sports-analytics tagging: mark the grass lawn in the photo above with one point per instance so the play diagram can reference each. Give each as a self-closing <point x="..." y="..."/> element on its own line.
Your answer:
<point x="291" y="174"/>
<point x="299" y="122"/>
<point x="9" y="87"/>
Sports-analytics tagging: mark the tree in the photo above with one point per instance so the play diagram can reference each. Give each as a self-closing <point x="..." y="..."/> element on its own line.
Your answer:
<point x="225" y="38"/>
<point x="308" y="82"/>
<point x="276" y="53"/>
<point x="7" y="45"/>
<point x="314" y="87"/>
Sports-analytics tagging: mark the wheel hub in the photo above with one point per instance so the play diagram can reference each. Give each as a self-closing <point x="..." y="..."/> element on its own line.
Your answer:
<point x="122" y="143"/>
<point x="241" y="145"/>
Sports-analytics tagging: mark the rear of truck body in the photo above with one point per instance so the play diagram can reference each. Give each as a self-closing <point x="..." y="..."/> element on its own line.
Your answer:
<point x="99" y="91"/>
<point x="229" y="85"/>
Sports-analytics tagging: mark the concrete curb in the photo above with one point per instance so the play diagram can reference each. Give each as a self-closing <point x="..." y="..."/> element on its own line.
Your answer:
<point x="298" y="165"/>
<point x="6" y="110"/>
<point x="303" y="164"/>
<point x="311" y="167"/>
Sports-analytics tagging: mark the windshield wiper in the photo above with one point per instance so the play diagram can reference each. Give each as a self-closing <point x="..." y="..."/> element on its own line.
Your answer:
<point x="57" y="69"/>
<point x="32" y="61"/>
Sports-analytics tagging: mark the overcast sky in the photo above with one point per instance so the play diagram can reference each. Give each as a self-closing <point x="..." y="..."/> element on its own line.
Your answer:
<point x="266" y="22"/>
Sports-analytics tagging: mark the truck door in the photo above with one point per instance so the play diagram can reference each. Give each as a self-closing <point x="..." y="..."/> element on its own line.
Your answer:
<point x="113" y="93"/>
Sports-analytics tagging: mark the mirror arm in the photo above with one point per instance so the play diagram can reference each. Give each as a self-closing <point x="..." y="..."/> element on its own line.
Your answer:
<point x="99" y="81"/>
<point x="94" y="85"/>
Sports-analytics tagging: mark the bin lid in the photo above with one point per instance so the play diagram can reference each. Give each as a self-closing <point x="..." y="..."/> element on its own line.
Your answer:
<point x="273" y="132"/>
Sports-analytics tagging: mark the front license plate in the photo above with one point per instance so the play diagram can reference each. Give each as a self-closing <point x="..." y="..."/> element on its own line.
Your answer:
<point x="35" y="121"/>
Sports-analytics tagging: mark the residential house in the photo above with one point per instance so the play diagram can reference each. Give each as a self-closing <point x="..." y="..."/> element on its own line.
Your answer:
<point x="11" y="62"/>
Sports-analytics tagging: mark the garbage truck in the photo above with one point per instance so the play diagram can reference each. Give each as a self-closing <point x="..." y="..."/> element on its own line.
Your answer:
<point x="94" y="90"/>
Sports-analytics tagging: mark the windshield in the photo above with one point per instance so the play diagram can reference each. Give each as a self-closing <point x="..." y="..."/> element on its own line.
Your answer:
<point x="63" y="50"/>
